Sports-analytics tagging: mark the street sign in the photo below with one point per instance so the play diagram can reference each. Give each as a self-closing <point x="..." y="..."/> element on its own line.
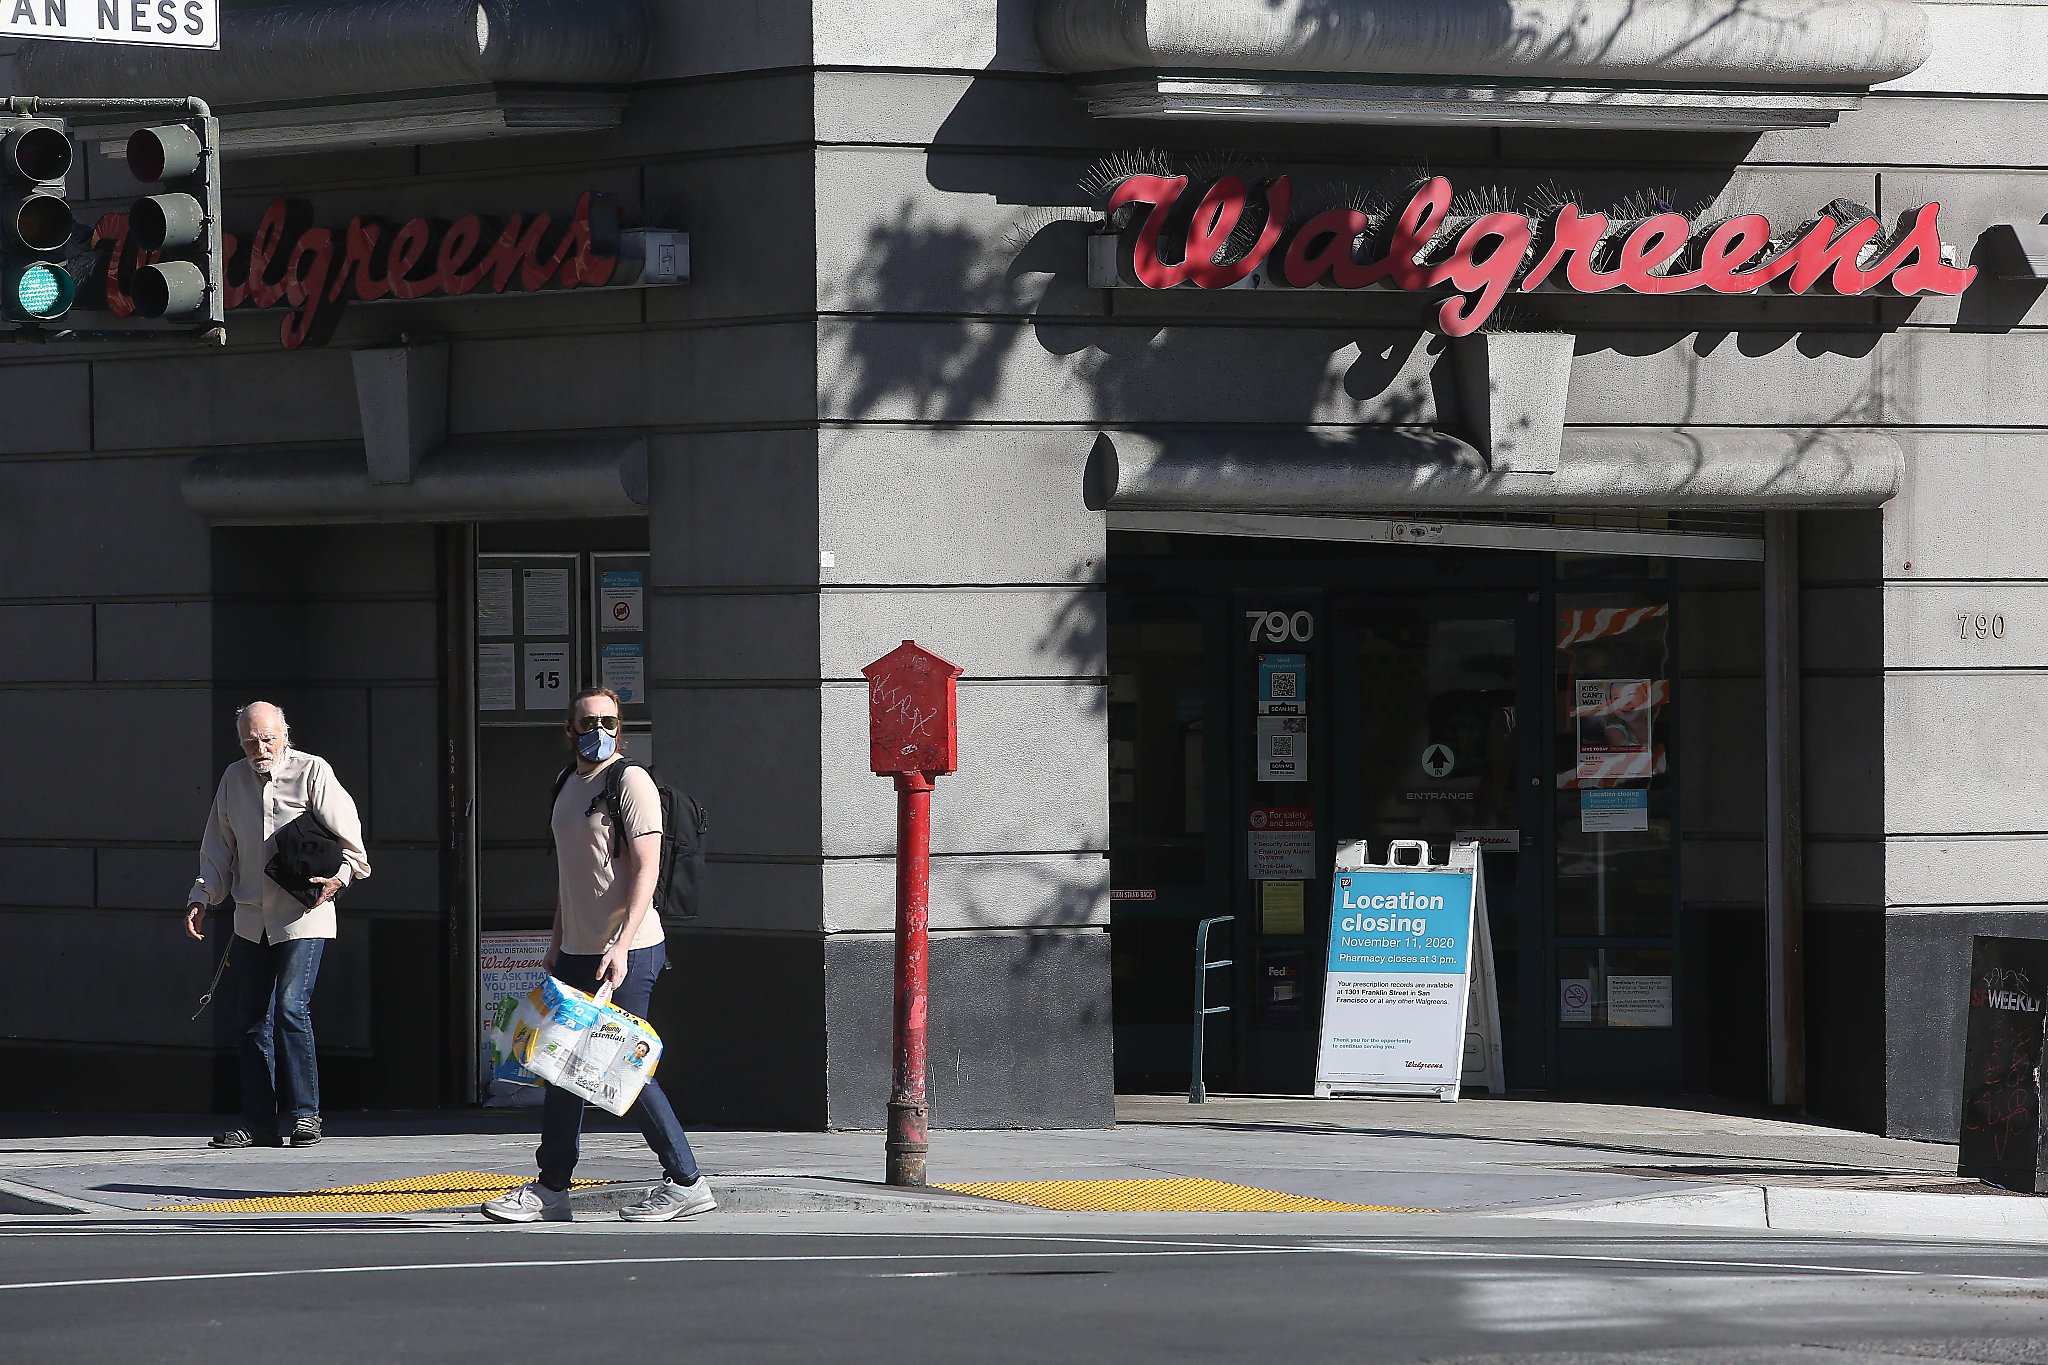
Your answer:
<point x="152" y="23"/>
<point x="1409" y="1005"/>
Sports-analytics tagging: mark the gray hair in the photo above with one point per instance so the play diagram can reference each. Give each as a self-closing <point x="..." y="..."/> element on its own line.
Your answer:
<point x="242" y="716"/>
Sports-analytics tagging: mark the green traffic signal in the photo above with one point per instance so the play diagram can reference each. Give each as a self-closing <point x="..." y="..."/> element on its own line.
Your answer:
<point x="36" y="225"/>
<point x="36" y="291"/>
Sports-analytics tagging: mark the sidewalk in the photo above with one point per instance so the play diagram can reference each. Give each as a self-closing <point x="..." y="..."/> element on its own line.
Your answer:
<point x="1514" y="1158"/>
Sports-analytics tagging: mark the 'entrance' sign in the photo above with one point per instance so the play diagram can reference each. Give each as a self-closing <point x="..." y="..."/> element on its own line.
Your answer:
<point x="1410" y="979"/>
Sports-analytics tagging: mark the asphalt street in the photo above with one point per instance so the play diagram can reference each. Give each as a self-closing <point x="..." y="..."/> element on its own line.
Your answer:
<point x="838" y="1288"/>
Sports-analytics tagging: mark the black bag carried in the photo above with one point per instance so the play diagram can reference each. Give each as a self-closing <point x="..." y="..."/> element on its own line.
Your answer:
<point x="678" y="886"/>
<point x="305" y="850"/>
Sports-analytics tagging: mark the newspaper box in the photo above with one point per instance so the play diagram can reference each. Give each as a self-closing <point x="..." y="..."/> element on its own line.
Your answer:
<point x="584" y="1044"/>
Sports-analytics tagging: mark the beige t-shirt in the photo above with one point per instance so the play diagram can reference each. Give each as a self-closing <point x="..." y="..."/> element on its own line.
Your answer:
<point x="593" y="902"/>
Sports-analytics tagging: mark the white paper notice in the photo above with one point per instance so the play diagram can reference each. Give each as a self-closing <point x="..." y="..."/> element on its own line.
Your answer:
<point x="496" y="687"/>
<point x="547" y="677"/>
<point x="494" y="602"/>
<point x="1283" y="749"/>
<point x="619" y="599"/>
<point x="1574" y="1000"/>
<point x="547" y="601"/>
<point x="1639" y="1002"/>
<point x="623" y="668"/>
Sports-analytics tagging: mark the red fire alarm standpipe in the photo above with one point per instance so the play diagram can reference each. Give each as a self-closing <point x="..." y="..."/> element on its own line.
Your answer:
<point x="913" y="737"/>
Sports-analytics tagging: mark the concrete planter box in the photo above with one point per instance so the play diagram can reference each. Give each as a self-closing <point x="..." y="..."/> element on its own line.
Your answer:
<point x="1511" y="396"/>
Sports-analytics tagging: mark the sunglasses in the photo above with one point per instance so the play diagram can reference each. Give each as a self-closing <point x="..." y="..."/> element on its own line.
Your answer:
<point x="588" y="723"/>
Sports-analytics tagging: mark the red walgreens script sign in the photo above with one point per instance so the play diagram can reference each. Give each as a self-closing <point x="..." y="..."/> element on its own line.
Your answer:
<point x="1482" y="258"/>
<point x="287" y="263"/>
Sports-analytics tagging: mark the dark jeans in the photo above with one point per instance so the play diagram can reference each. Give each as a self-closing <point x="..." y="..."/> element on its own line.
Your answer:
<point x="561" y="1122"/>
<point x="280" y="1072"/>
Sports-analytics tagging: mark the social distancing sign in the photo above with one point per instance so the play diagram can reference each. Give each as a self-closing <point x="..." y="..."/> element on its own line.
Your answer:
<point x="1409" y="1006"/>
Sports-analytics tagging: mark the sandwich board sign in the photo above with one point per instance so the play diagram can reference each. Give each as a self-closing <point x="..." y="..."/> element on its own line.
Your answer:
<point x="1409" y="1005"/>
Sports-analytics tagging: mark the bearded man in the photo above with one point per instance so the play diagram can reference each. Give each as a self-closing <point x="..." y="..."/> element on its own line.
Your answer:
<point x="280" y="938"/>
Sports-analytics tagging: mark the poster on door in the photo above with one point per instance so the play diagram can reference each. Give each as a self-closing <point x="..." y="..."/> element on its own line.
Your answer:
<point x="497" y="677"/>
<point x="1280" y="689"/>
<point x="1614" y="810"/>
<point x="623" y="668"/>
<point x="1281" y="843"/>
<point x="508" y="966"/>
<point x="1409" y="970"/>
<point x="620" y="597"/>
<point x="1611" y="717"/>
<point x="1283" y="749"/>
<point x="546" y="596"/>
<point x="546" y="677"/>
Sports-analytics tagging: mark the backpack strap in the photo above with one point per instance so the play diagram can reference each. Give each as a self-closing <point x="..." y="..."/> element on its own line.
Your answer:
<point x="614" y="787"/>
<point x="561" y="781"/>
<point x="614" y="784"/>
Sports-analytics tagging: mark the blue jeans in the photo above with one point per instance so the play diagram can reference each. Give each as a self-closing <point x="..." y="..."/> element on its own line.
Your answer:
<point x="280" y="1071"/>
<point x="561" y="1120"/>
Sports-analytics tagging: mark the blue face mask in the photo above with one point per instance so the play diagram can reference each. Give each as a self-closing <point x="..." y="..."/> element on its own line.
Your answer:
<point x="597" y="746"/>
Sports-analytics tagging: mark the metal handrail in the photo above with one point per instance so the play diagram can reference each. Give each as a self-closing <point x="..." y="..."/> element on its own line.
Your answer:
<point x="1197" y="1092"/>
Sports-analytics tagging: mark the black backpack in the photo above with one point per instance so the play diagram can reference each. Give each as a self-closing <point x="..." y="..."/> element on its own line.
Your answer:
<point x="680" y="883"/>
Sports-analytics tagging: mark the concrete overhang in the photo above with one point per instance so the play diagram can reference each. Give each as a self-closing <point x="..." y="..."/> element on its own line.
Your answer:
<point x="1371" y="470"/>
<point x="1694" y="65"/>
<point x="316" y="77"/>
<point x="468" y="480"/>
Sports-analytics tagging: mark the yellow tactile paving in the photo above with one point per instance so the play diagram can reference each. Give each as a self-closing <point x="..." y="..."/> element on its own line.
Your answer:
<point x="450" y="1189"/>
<point x="1159" y="1196"/>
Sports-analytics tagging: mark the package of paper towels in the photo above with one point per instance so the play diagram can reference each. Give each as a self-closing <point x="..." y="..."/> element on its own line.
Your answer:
<point x="582" y="1043"/>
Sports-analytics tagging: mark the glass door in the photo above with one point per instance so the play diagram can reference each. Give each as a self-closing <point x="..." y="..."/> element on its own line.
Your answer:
<point x="1616" y="939"/>
<point x="1437" y="739"/>
<point x="1168" y="864"/>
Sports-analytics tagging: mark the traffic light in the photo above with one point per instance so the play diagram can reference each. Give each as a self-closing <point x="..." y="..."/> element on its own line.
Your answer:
<point x="181" y="223"/>
<point x="35" y="221"/>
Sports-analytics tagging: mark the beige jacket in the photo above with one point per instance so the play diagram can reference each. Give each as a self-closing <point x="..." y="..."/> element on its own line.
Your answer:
<point x="247" y="810"/>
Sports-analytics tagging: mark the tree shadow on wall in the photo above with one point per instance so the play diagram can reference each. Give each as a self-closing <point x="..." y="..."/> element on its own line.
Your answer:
<point x="942" y="323"/>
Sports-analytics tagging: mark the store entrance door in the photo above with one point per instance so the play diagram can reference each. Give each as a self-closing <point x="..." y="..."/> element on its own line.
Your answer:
<point x="1439" y="719"/>
<point x="1267" y="706"/>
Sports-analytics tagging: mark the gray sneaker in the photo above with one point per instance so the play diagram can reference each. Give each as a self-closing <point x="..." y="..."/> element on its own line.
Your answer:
<point x="670" y="1200"/>
<point x="532" y="1202"/>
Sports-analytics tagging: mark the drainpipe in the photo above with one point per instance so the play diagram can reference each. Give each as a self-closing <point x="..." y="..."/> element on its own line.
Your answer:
<point x="1784" y="851"/>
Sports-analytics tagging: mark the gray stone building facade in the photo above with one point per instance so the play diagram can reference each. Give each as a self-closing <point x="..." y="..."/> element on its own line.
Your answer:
<point x="892" y="402"/>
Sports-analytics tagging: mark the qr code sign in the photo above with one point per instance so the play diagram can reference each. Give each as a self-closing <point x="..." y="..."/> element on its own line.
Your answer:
<point x="1283" y="686"/>
<point x="1283" y="746"/>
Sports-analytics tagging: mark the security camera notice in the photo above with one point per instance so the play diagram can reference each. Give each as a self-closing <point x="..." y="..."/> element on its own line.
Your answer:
<point x="1394" y="998"/>
<point x="155" y="23"/>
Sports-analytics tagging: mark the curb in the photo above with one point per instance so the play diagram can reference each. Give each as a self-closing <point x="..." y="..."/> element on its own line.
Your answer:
<point x="1780" y="1208"/>
<point x="769" y="1194"/>
<point x="27" y="1199"/>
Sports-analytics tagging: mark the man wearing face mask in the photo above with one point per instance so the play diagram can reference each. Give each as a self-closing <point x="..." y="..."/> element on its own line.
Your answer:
<point x="278" y="942"/>
<point x="606" y="931"/>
